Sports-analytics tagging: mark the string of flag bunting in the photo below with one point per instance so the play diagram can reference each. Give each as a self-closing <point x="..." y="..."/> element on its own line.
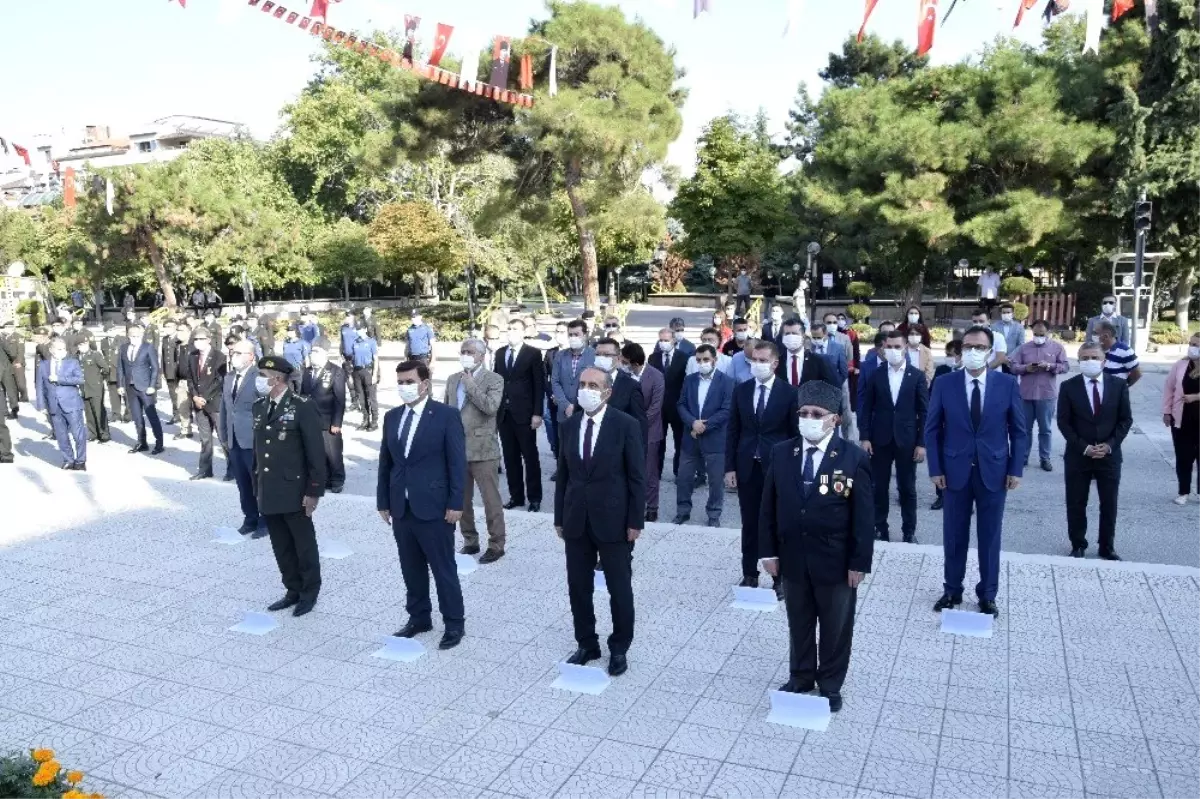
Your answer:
<point x="21" y="152"/>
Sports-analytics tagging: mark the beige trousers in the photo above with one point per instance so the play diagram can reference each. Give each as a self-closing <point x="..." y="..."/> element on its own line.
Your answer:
<point x="486" y="475"/>
<point x="183" y="402"/>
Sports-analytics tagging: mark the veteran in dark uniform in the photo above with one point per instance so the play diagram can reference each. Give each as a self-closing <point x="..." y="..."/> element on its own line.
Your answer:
<point x="8" y="386"/>
<point x="817" y="533"/>
<point x="325" y="384"/>
<point x="289" y="463"/>
<point x="13" y="345"/>
<point x="95" y="370"/>
<point x="111" y="346"/>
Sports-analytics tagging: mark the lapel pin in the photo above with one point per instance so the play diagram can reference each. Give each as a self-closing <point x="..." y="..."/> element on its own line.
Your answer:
<point x="824" y="489"/>
<point x="795" y="452"/>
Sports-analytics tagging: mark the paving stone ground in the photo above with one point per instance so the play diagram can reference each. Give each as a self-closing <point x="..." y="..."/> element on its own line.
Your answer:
<point x="115" y="605"/>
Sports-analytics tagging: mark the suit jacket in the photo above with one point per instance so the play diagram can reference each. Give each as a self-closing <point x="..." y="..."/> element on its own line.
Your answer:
<point x="836" y="356"/>
<point x="653" y="391"/>
<point x="814" y="367"/>
<point x="718" y="404"/>
<point x="482" y="402"/>
<point x="327" y="390"/>
<point x="289" y="453"/>
<point x="1121" y="323"/>
<point x="61" y="397"/>
<point x="952" y="444"/>
<point x="95" y="370"/>
<point x="565" y="383"/>
<point x="237" y="415"/>
<point x="112" y="348"/>
<point x="171" y="355"/>
<point x="883" y="422"/>
<point x="141" y="372"/>
<point x="672" y="381"/>
<point x="524" y="384"/>
<point x="752" y="439"/>
<point x="206" y="378"/>
<point x="1082" y="428"/>
<point x="609" y="495"/>
<point x="430" y="480"/>
<point x="825" y="535"/>
<point x="627" y="398"/>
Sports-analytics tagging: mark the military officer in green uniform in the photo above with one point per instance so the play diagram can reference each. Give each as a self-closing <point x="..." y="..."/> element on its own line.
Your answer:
<point x="8" y="385"/>
<point x="111" y="345"/>
<point x="14" y="346"/>
<point x="289" y="457"/>
<point x="95" y="369"/>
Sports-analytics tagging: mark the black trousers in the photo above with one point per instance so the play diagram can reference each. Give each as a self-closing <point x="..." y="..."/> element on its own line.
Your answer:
<point x="616" y="560"/>
<point x="427" y="547"/>
<point x="518" y="442"/>
<point x="116" y="403"/>
<point x="334" y="464"/>
<point x="676" y="426"/>
<point x="832" y="606"/>
<point x="206" y="423"/>
<point x="749" y="500"/>
<point x="1078" y="478"/>
<point x="1186" y="440"/>
<point x="294" y="540"/>
<point x="9" y="392"/>
<point x="882" y="459"/>
<point x="351" y="387"/>
<point x="141" y="408"/>
<point x="365" y="386"/>
<point x="96" y="417"/>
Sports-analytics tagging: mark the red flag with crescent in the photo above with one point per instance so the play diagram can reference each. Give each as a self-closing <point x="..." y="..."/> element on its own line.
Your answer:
<point x="926" y="25"/>
<point x="866" y="15"/>
<point x="320" y="8"/>
<point x="440" y="43"/>
<point x="22" y="152"/>
<point x="1120" y="8"/>
<point x="1026" y="5"/>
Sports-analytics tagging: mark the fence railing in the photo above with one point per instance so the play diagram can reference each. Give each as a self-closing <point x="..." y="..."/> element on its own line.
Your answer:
<point x="1057" y="308"/>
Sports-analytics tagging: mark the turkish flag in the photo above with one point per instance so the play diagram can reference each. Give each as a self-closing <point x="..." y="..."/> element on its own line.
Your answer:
<point x="926" y="25"/>
<point x="1025" y="6"/>
<point x="866" y="15"/>
<point x="440" y="43"/>
<point x="1120" y="8"/>
<point x="69" y="188"/>
<point x="320" y="8"/>
<point x="21" y="151"/>
<point x="526" y="77"/>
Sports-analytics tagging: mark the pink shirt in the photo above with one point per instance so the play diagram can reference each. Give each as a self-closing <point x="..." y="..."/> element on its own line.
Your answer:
<point x="1043" y="383"/>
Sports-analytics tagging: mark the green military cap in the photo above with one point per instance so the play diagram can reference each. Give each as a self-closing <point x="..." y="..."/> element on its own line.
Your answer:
<point x="275" y="364"/>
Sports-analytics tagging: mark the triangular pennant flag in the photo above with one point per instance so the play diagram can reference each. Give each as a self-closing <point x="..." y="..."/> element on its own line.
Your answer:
<point x="870" y="6"/>
<point x="699" y="7"/>
<point x="109" y="196"/>
<point x="526" y="79"/>
<point x="1094" y="24"/>
<point x="791" y="26"/>
<point x="1021" y="9"/>
<point x="926" y="26"/>
<point x="553" y="91"/>
<point x="3" y="145"/>
<point x="1121" y="8"/>
<point x="22" y="152"/>
<point x="1053" y="9"/>
<point x="440" y="43"/>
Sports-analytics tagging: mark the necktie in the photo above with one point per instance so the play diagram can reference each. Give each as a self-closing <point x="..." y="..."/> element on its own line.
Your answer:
<point x="237" y="379"/>
<point x="807" y="476"/>
<point x="510" y="358"/>
<point x="404" y="429"/>
<point x="1095" y="396"/>
<point x="587" y="443"/>
<point x="271" y="409"/>
<point x="762" y="401"/>
<point x="666" y="361"/>
<point x="795" y="371"/>
<point x="976" y="404"/>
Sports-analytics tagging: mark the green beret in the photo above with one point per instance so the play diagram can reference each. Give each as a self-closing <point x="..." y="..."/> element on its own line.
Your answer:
<point x="820" y="394"/>
<point x="275" y="364"/>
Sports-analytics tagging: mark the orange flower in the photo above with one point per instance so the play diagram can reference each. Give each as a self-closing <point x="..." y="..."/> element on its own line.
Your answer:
<point x="42" y="755"/>
<point x="74" y="794"/>
<point x="45" y="773"/>
<point x="74" y="777"/>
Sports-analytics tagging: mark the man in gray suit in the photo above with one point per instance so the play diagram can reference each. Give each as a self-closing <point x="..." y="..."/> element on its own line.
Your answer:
<point x="654" y="387"/>
<point x="237" y="431"/>
<point x="568" y="365"/>
<point x="477" y="394"/>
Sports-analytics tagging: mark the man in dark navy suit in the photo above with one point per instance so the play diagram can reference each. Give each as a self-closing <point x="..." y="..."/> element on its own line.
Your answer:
<point x="817" y="536"/>
<point x="626" y="392"/>
<point x="705" y="407"/>
<point x="763" y="414"/>
<point x="520" y="416"/>
<point x="137" y="377"/>
<point x="891" y="426"/>
<point x="975" y="436"/>
<point x="422" y="473"/>
<point x="599" y="502"/>
<point x="798" y="364"/>
<point x="672" y="362"/>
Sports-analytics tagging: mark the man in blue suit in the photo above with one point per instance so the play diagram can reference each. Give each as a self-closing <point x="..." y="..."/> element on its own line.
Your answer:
<point x="891" y="426"/>
<point x="137" y="378"/>
<point x="59" y="379"/>
<point x="833" y="352"/>
<point x="704" y="408"/>
<point x="422" y="474"/>
<point x="975" y="436"/>
<point x="763" y="413"/>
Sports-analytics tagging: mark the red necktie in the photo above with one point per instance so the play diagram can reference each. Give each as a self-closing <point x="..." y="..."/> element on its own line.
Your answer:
<point x="795" y="372"/>
<point x="1096" y="397"/>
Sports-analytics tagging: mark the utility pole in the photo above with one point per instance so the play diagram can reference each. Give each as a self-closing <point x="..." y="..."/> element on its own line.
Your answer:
<point x="1142" y="211"/>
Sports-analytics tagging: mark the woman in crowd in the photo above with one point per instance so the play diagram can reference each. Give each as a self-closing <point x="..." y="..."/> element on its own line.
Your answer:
<point x="915" y="322"/>
<point x="1181" y="412"/>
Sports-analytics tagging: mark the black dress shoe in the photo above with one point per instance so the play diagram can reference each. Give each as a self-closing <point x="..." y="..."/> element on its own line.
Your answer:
<point x="680" y="518"/>
<point x="491" y="556"/>
<point x="937" y="504"/>
<point x="68" y="466"/>
<point x="79" y="466"/>
<point x="335" y="489"/>
<point x="410" y="629"/>
<point x="228" y="478"/>
<point x="201" y="476"/>
<point x="189" y="434"/>
<point x="246" y="529"/>
<point x="288" y="600"/>
<point x="1077" y="552"/>
<point x="795" y="686"/>
<point x="534" y="507"/>
<point x="988" y="606"/>
<point x="617" y="664"/>
<point x="882" y="535"/>
<point x="835" y="702"/>
<point x="910" y="538"/>
<point x="582" y="656"/>
<point x="554" y="478"/>
<point x="139" y="448"/>
<point x="714" y="522"/>
<point x="947" y="601"/>
<point x="1110" y="555"/>
<point x="6" y="458"/>
<point x="304" y="607"/>
<point x="748" y="582"/>
<point x="1047" y="466"/>
<point x="158" y="450"/>
<point x="450" y="639"/>
<point x="104" y="439"/>
<point x="469" y="550"/>
<point x="651" y="515"/>
<point x="512" y="503"/>
<point x="260" y="532"/>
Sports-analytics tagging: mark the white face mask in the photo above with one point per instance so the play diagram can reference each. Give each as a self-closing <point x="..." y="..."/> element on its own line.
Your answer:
<point x="516" y="339"/>
<point x="953" y="363"/>
<point x="590" y="399"/>
<point x="913" y="318"/>
<point x="319" y="361"/>
<point x="203" y="345"/>
<point x="416" y="321"/>
<point x="894" y="357"/>
<point x="793" y="341"/>
<point x="467" y="362"/>
<point x="705" y="368"/>
<point x="843" y="324"/>
<point x="975" y="360"/>
<point x="741" y="335"/>
<point x="1193" y="353"/>
<point x="1039" y="340"/>
<point x="678" y="335"/>
<point x="58" y="355"/>
<point x="575" y="342"/>
<point x="777" y="318"/>
<point x="913" y="341"/>
<point x="666" y="346"/>
<point x="409" y="392"/>
<point x="560" y="339"/>
<point x="1091" y="368"/>
<point x="603" y="362"/>
<point x="716" y="321"/>
<point x="812" y="430"/>
<point x="1006" y="317"/>
<point x="261" y="385"/>
<point x="819" y="344"/>
<point x="762" y="371"/>
<point x="1108" y="307"/>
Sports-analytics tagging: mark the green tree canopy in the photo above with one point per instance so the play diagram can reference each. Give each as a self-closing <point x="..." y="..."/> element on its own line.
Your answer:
<point x="412" y="238"/>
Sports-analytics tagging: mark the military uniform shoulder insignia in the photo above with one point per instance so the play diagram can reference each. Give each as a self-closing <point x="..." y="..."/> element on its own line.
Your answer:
<point x="301" y="398"/>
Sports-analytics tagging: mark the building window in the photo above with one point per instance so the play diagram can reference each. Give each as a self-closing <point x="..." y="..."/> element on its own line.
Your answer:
<point x="145" y="146"/>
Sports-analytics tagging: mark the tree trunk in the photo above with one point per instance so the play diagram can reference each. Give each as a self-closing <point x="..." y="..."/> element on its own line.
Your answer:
<point x="1183" y="298"/>
<point x="429" y="284"/>
<point x="346" y="287"/>
<point x="160" y="270"/>
<point x="587" y="239"/>
<point x="541" y="281"/>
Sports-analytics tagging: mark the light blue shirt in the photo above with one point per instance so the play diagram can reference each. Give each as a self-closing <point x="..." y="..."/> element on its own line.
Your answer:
<point x="740" y="366"/>
<point x="364" y="352"/>
<point x="420" y="339"/>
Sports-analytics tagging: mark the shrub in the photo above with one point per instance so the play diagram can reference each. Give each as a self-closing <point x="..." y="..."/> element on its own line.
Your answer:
<point x="865" y="332"/>
<point x="860" y="290"/>
<point x="1088" y="294"/>
<point x="1167" y="333"/>
<point x="1066" y="336"/>
<point x="37" y="774"/>
<point x="1017" y="287"/>
<point x="33" y="310"/>
<point x="940" y="335"/>
<point x="1020" y="310"/>
<point x="858" y="311"/>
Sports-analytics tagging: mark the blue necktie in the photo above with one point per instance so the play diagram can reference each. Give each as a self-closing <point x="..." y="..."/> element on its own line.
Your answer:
<point x="976" y="405"/>
<point x="807" y="475"/>
<point x="762" y="402"/>
<point x="404" y="428"/>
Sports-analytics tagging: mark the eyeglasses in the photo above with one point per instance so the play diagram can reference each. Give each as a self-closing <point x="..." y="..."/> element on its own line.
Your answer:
<point x="813" y="415"/>
<point x="976" y="348"/>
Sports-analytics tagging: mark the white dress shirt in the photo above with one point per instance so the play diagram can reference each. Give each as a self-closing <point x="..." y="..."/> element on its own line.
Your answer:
<point x="54" y="362"/>
<point x="769" y="385"/>
<point x="895" y="378"/>
<point x="598" y="419"/>
<point x="702" y="393"/>
<point x="798" y="357"/>
<point x="462" y="390"/>
<point x="1098" y="382"/>
<point x="418" y="410"/>
<point x="971" y="387"/>
<point x="514" y="351"/>
<point x="724" y="365"/>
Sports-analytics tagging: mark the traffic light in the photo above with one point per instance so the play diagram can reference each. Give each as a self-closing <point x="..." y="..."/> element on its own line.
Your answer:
<point x="1141" y="216"/>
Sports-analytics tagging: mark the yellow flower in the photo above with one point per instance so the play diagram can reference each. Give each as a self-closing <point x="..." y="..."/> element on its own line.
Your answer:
<point x="42" y="755"/>
<point x="74" y="777"/>
<point x="74" y="794"/>
<point x="45" y="773"/>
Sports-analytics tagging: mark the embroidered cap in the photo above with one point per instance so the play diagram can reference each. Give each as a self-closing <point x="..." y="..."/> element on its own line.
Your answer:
<point x="275" y="364"/>
<point x="820" y="394"/>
